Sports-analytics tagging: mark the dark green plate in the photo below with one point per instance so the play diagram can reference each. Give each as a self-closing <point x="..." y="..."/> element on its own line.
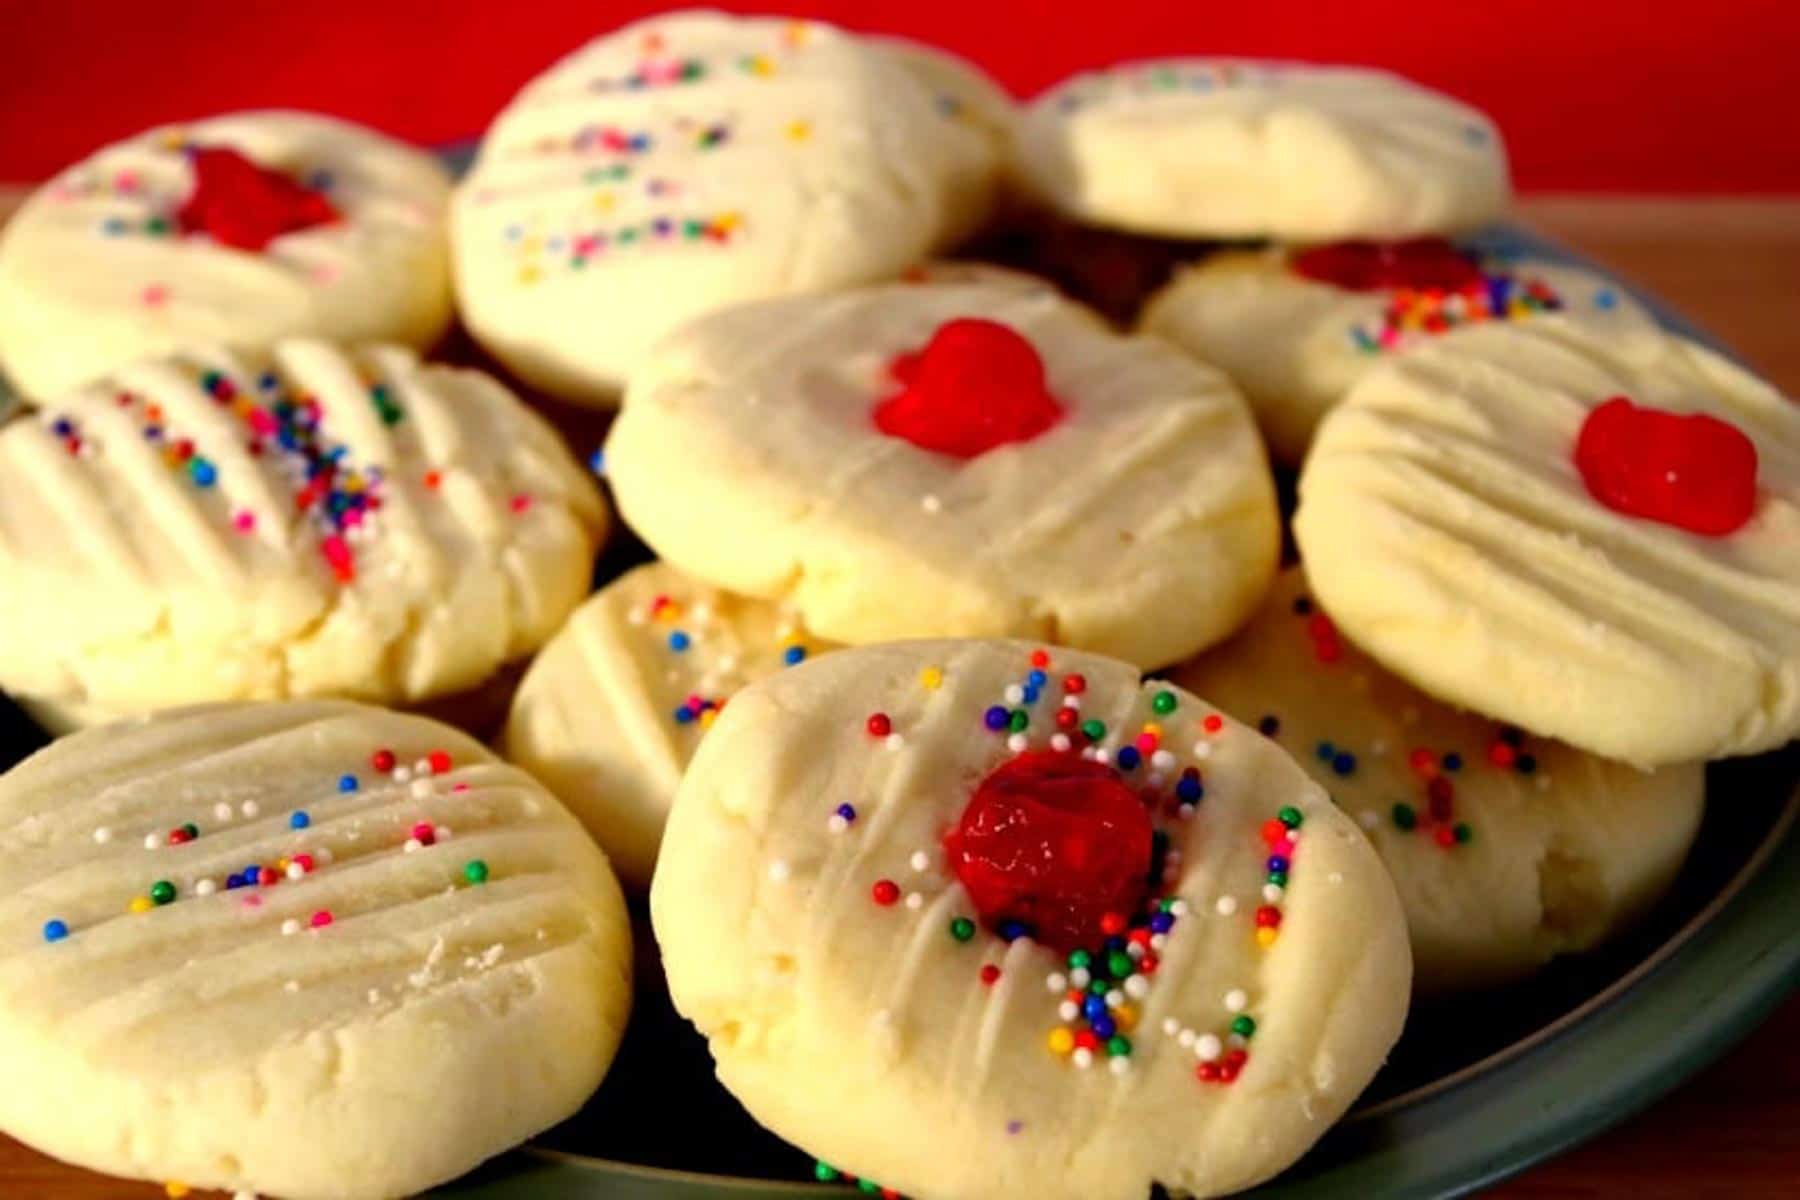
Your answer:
<point x="1478" y="1088"/>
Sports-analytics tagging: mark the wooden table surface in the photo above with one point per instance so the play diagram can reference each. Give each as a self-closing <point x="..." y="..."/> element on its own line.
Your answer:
<point x="1734" y="1130"/>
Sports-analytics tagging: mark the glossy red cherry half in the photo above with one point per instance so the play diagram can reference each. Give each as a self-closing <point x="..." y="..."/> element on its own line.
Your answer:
<point x="1419" y="264"/>
<point x="1691" y="471"/>
<point x="975" y="386"/>
<point x="240" y="204"/>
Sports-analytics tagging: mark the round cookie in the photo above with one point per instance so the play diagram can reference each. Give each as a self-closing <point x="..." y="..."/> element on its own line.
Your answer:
<point x="317" y="520"/>
<point x="1234" y="148"/>
<point x="237" y="230"/>
<point x="307" y="948"/>
<point x="964" y="92"/>
<point x="1026" y="472"/>
<point x="906" y="902"/>
<point x="1295" y="329"/>
<point x="611" y="711"/>
<point x="1507" y="850"/>
<point x="693" y="161"/>
<point x="1508" y="519"/>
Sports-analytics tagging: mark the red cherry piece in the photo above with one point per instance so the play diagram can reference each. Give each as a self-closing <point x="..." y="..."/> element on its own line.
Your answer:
<point x="245" y="206"/>
<point x="1053" y="841"/>
<point x="1691" y="471"/>
<point x="976" y="385"/>
<point x="1418" y="264"/>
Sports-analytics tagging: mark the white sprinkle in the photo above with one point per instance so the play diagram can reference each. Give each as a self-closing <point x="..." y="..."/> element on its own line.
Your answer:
<point x="412" y="844"/>
<point x="1180" y="907"/>
<point x="636" y="616"/>
<point x="323" y="854"/>
<point x="291" y="986"/>
<point x="1369" y="819"/>
<point x="1068" y="1010"/>
<point x="915" y="901"/>
<point x="421" y="789"/>
<point x="1102" y="754"/>
<point x="221" y="811"/>
<point x="296" y="871"/>
<point x="930" y="503"/>
<point x="1226" y="905"/>
<point x="374" y="996"/>
<point x="1162" y="760"/>
<point x="1018" y="743"/>
<point x="441" y="832"/>
<point x="1335" y="877"/>
<point x="779" y="870"/>
<point x="422" y="767"/>
<point x="102" y="835"/>
<point x="250" y="808"/>
<point x="1119" y="1065"/>
<point x="921" y="861"/>
<point x="1087" y="752"/>
<point x="1171" y="1027"/>
<point x="1114" y="998"/>
<point x="1060" y="743"/>
<point x="1073" y="702"/>
<point x="702" y="612"/>
<point x="1202" y="749"/>
<point x="402" y="775"/>
<point x="1057" y="982"/>
<point x="290" y="927"/>
<point x="836" y="823"/>
<point x="1158" y="940"/>
<point x="895" y="741"/>
<point x="1184" y="1039"/>
<point x="1156" y="779"/>
<point x="1014" y="694"/>
<point x="153" y="841"/>
<point x="205" y="887"/>
<point x="1137" y="987"/>
<point x="244" y="1194"/>
<point x="1079" y="977"/>
<point x="1236" y="1001"/>
<point x="1134" y="951"/>
<point x="1271" y="893"/>
<point x="1207" y="1047"/>
<point x="1084" y="1058"/>
<point x="1237" y="1041"/>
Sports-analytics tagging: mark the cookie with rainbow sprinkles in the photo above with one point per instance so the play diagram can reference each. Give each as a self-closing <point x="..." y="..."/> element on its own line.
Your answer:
<point x="990" y="918"/>
<point x="305" y="949"/>
<point x="1507" y="849"/>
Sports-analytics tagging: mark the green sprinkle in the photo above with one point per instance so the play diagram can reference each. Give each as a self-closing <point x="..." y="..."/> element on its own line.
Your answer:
<point x="1291" y="817"/>
<point x="1405" y="817"/>
<point x="1018" y="720"/>
<point x="1243" y="1026"/>
<point x="1463" y="833"/>
<point x="1080" y="958"/>
<point x="1093" y="731"/>
<point x="867" y="1185"/>
<point x="475" y="871"/>
<point x="191" y="829"/>
<point x="162" y="891"/>
<point x="1118" y="1045"/>
<point x="1119" y="965"/>
<point x="158" y="225"/>
<point x="1163" y="703"/>
<point x="825" y="1172"/>
<point x="962" y="929"/>
<point x="1278" y="878"/>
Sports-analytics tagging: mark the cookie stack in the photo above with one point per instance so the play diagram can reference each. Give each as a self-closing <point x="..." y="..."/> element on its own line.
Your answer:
<point x="991" y="779"/>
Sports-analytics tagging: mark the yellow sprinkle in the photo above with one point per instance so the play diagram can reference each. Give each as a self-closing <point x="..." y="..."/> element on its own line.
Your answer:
<point x="1061" y="1041"/>
<point x="669" y="613"/>
<point x="528" y="275"/>
<point x="1125" y="1017"/>
<point x="708" y="717"/>
<point x="1152" y="728"/>
<point x="605" y="201"/>
<point x="799" y="131"/>
<point x="1265" y="937"/>
<point x="173" y="139"/>
<point x="175" y="1190"/>
<point x="281" y="864"/>
<point x="796" y="32"/>
<point x="142" y="904"/>
<point x="931" y="678"/>
<point x="729" y="221"/>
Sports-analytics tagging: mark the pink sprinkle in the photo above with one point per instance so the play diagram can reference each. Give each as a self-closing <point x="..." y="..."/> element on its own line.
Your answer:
<point x="1282" y="847"/>
<point x="156" y="295"/>
<point x="337" y="553"/>
<point x="321" y="919"/>
<point x="459" y="787"/>
<point x="1146" y="743"/>
<point x="125" y="181"/>
<point x="423" y="833"/>
<point x="253" y="901"/>
<point x="263" y="422"/>
<point x="244" y="521"/>
<point x="521" y="502"/>
<point x="304" y="862"/>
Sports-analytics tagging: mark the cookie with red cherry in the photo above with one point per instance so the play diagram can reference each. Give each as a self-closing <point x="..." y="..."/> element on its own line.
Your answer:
<point x="951" y="459"/>
<point x="954" y="915"/>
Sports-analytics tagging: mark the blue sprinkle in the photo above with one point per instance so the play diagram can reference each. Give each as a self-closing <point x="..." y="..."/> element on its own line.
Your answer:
<point x="1113" y="943"/>
<point x="346" y="783"/>
<point x="55" y="931"/>
<point x="683" y="715"/>
<point x="62" y="427"/>
<point x="847" y="811"/>
<point x="1012" y="931"/>
<point x="299" y="820"/>
<point x="1277" y="863"/>
<point x="995" y="718"/>
<point x="202" y="472"/>
<point x="1036" y="679"/>
<point x="794" y="655"/>
<point x="1103" y="1027"/>
<point x="321" y="180"/>
<point x="1606" y="298"/>
<point x="597" y="462"/>
<point x="1343" y="763"/>
<point x="1452" y="761"/>
<point x="1128" y="758"/>
<point x="1030" y="696"/>
<point x="1093" y="1008"/>
<point x="268" y="382"/>
<point x="1162" y="922"/>
<point x="1189" y="789"/>
<point x="678" y="641"/>
<point x="1326" y="752"/>
<point x="233" y="881"/>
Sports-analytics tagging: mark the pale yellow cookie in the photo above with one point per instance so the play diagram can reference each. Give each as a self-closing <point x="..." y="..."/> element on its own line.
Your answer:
<point x="305" y="949"/>
<point x="1507" y="850"/>
<point x="314" y="520"/>
<point x="1236" y="148"/>
<point x="814" y="910"/>
<point x="97" y="270"/>
<point x="1296" y="345"/>
<point x="695" y="160"/>
<point x="612" y="710"/>
<point x="1140" y="522"/>
<point x="1446" y="527"/>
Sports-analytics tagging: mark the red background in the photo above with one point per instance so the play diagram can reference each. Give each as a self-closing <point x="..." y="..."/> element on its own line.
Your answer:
<point x="1624" y="95"/>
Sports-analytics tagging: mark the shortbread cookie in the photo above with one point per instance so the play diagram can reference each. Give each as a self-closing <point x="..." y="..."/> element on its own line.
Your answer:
<point x="611" y="711"/>
<point x="237" y="230"/>
<point x="1296" y="328"/>
<point x="955" y="916"/>
<point x="1232" y="148"/>
<point x="307" y="949"/>
<point x="1587" y="534"/>
<point x="692" y="161"/>
<point x="964" y="92"/>
<point x="951" y="460"/>
<point x="320" y="520"/>
<point x="1507" y="850"/>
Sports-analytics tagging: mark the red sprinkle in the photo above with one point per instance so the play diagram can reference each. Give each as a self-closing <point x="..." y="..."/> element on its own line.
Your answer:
<point x="1040" y="659"/>
<point x="885" y="892"/>
<point x="1074" y="685"/>
<point x="1212" y="723"/>
<point x="990" y="974"/>
<point x="321" y="919"/>
<point x="382" y="760"/>
<point x="879" y="725"/>
<point x="438" y="761"/>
